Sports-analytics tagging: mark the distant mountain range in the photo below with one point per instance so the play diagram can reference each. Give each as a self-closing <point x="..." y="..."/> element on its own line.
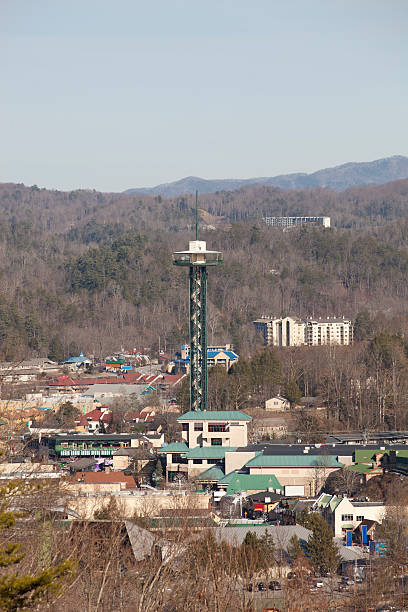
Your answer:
<point x="339" y="178"/>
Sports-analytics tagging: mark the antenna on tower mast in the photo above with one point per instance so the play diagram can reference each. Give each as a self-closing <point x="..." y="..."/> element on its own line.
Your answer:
<point x="196" y="214"/>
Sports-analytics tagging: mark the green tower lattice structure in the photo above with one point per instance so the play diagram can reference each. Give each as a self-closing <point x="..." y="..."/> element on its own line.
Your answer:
<point x="197" y="258"/>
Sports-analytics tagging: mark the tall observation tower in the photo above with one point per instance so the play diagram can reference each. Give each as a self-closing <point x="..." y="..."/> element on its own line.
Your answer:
<point x="197" y="258"/>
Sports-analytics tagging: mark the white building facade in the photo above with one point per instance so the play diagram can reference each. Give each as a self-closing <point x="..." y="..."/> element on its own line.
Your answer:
<point x="343" y="513"/>
<point x="214" y="428"/>
<point x="287" y="222"/>
<point x="289" y="331"/>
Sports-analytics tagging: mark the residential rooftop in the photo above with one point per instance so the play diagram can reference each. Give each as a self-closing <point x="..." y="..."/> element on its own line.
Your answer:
<point x="208" y="452"/>
<point x="281" y="534"/>
<point x="174" y="447"/>
<point x="104" y="437"/>
<point x="237" y="481"/>
<point x="293" y="461"/>
<point x="214" y="415"/>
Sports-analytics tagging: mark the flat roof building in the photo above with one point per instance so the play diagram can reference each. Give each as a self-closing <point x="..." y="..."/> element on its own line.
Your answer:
<point x="288" y="222"/>
<point x="290" y="331"/>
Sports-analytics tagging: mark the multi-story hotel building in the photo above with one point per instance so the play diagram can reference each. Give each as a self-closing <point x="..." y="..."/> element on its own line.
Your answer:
<point x="288" y="331"/>
<point x="286" y="222"/>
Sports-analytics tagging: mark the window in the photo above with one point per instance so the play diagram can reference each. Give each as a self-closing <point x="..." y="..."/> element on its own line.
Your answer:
<point x="197" y="461"/>
<point x="216" y="442"/>
<point x="359" y="518"/>
<point x="347" y="517"/>
<point x="218" y="427"/>
<point x="64" y="444"/>
<point x="212" y="461"/>
<point x="198" y="427"/>
<point x="185" y="427"/>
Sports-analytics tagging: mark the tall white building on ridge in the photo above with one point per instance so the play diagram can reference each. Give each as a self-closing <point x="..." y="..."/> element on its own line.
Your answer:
<point x="288" y="222"/>
<point x="289" y="331"/>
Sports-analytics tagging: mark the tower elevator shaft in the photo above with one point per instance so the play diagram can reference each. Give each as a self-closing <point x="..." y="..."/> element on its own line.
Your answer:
<point x="198" y="337"/>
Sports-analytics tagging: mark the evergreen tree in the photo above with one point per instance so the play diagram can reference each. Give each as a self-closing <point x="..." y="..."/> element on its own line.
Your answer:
<point x="294" y="549"/>
<point x="363" y="326"/>
<point x="24" y="591"/>
<point x="55" y="349"/>
<point x="159" y="471"/>
<point x="257" y="553"/>
<point x="292" y="392"/>
<point x="266" y="371"/>
<point x="321" y="547"/>
<point x="67" y="413"/>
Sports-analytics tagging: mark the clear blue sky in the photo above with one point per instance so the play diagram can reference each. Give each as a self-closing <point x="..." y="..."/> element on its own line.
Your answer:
<point x="113" y="94"/>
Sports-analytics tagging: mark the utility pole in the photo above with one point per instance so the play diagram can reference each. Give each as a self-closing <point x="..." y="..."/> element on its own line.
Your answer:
<point x="197" y="258"/>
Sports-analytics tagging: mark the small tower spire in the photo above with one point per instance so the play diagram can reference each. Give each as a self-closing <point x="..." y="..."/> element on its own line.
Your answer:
<point x="196" y="214"/>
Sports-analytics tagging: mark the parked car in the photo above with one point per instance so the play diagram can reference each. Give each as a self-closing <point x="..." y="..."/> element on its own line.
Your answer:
<point x="275" y="585"/>
<point x="250" y="587"/>
<point x="318" y="584"/>
<point x="261" y="586"/>
<point x="347" y="580"/>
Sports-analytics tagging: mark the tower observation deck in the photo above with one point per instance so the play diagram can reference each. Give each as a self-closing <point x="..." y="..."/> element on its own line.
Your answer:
<point x="197" y="258"/>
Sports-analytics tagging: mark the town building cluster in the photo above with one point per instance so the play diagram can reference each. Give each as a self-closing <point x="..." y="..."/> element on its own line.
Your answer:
<point x="131" y="444"/>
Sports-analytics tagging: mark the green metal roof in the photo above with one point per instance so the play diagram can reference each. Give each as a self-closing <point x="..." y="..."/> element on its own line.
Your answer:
<point x="174" y="447"/>
<point x="237" y="481"/>
<point x="213" y="474"/>
<point x="361" y="468"/>
<point x="324" y="501"/>
<point x="294" y="461"/>
<point x="209" y="452"/>
<point x="335" y="502"/>
<point x="214" y="415"/>
<point x="367" y="455"/>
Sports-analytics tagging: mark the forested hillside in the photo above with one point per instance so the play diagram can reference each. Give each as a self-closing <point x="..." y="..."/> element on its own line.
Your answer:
<point x="93" y="271"/>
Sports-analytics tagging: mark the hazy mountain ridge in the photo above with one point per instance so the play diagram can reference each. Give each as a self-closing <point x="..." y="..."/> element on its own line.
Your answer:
<point x="339" y="178"/>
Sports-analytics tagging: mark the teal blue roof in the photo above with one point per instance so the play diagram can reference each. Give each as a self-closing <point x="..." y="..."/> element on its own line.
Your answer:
<point x="293" y="461"/>
<point x="78" y="359"/>
<point x="213" y="474"/>
<point x="209" y="452"/>
<point x="214" y="415"/>
<point x="238" y="481"/>
<point x="174" y="447"/>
